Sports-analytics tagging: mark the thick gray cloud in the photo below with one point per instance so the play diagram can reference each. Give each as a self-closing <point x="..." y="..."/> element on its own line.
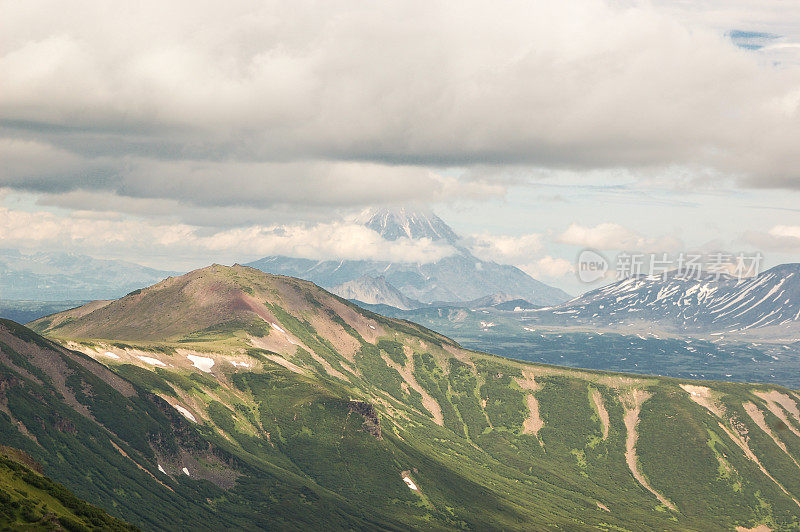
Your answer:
<point x="189" y="246"/>
<point x="350" y="103"/>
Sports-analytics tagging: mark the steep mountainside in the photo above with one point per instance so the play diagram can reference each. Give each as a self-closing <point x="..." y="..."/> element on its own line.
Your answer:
<point x="387" y="424"/>
<point x="62" y="276"/>
<point x="375" y="291"/>
<point x="30" y="501"/>
<point x="457" y="277"/>
<point x="123" y="444"/>
<point x="769" y="301"/>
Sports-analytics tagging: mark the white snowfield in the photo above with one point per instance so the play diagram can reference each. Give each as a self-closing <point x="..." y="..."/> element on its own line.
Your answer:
<point x="185" y="472"/>
<point x="161" y="469"/>
<point x="188" y="415"/>
<point x="410" y="483"/>
<point x="237" y="364"/>
<point x="152" y="361"/>
<point x="277" y="328"/>
<point x="109" y="354"/>
<point x="202" y="363"/>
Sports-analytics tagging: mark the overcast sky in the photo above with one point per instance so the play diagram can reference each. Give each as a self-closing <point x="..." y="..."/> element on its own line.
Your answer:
<point x="176" y="134"/>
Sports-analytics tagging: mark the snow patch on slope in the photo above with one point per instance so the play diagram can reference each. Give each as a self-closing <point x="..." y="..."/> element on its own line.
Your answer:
<point x="202" y="363"/>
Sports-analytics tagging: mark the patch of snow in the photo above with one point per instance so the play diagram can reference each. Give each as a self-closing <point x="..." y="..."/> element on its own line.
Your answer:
<point x="201" y="363"/>
<point x="236" y="364"/>
<point x="109" y="354"/>
<point x="410" y="483"/>
<point x="185" y="472"/>
<point x="188" y="415"/>
<point x="152" y="361"/>
<point x="372" y="327"/>
<point x="161" y="469"/>
<point x="274" y="326"/>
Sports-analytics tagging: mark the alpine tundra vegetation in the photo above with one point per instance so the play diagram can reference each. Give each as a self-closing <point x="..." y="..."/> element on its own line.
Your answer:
<point x="230" y="397"/>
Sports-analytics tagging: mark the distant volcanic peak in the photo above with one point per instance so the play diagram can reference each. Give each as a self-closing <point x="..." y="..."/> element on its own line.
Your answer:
<point x="408" y="222"/>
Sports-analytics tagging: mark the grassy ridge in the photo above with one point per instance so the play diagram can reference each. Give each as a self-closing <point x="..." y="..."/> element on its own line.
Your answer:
<point x="336" y="405"/>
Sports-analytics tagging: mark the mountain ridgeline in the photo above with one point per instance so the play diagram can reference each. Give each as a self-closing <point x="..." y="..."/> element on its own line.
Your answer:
<point x="457" y="277"/>
<point x="68" y="276"/>
<point x="767" y="304"/>
<point x="228" y="397"/>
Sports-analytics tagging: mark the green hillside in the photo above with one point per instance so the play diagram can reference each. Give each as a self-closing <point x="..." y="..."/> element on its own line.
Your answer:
<point x="30" y="501"/>
<point x="290" y="407"/>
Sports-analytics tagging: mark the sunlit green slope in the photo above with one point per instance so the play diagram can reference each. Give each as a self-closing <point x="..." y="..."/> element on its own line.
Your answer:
<point x="279" y="399"/>
<point x="30" y="501"/>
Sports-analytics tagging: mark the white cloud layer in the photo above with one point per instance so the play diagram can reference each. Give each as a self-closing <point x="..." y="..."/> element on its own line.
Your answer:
<point x="780" y="238"/>
<point x="222" y="126"/>
<point x="612" y="236"/>
<point x="504" y="248"/>
<point x="350" y="103"/>
<point x="548" y="267"/>
<point x="134" y="239"/>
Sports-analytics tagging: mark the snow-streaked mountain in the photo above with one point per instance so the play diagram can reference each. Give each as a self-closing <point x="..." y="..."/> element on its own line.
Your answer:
<point x="403" y="222"/>
<point x="61" y="276"/>
<point x="682" y="302"/>
<point x="459" y="277"/>
<point x="375" y="291"/>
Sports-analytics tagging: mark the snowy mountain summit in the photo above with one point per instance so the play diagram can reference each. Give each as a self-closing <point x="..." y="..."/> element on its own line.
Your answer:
<point x="406" y="222"/>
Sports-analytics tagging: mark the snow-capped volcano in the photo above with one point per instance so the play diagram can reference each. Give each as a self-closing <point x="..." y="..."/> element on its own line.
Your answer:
<point x="459" y="277"/>
<point x="394" y="223"/>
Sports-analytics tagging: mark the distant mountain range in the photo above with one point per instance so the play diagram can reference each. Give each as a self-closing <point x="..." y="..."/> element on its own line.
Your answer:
<point x="680" y="302"/>
<point x="25" y="311"/>
<point x="459" y="277"/>
<point x="679" y="326"/>
<point x="56" y="276"/>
